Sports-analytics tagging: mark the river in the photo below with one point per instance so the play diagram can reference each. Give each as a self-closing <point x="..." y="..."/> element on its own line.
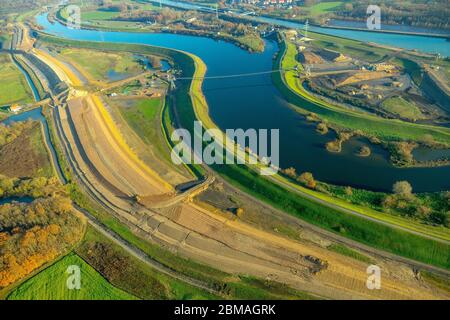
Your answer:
<point x="25" y="199"/>
<point x="253" y="102"/>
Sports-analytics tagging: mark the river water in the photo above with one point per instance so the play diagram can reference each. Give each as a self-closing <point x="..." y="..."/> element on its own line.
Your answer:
<point x="253" y="102"/>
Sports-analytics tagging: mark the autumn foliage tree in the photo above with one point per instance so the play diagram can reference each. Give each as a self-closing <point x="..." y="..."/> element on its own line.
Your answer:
<point x="308" y="180"/>
<point x="32" y="234"/>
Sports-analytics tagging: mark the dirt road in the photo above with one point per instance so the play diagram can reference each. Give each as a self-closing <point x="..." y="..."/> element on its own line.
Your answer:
<point x="99" y="162"/>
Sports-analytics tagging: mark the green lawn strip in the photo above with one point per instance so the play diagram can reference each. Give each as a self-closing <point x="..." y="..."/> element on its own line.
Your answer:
<point x="99" y="15"/>
<point x="14" y="87"/>
<point x="143" y="118"/>
<point x="167" y="128"/>
<point x="387" y="129"/>
<point x="346" y="251"/>
<point x="324" y="7"/>
<point x="37" y="142"/>
<point x="402" y="108"/>
<point x="51" y="284"/>
<point x="100" y="24"/>
<point x="353" y="48"/>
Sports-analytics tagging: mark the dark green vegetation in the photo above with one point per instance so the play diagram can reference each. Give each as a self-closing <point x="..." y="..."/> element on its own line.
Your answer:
<point x="13" y="84"/>
<point x="429" y="208"/>
<point x="432" y="14"/>
<point x="51" y="284"/>
<point x="132" y="275"/>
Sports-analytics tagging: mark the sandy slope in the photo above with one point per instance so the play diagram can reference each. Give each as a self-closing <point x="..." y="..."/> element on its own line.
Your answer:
<point x="108" y="172"/>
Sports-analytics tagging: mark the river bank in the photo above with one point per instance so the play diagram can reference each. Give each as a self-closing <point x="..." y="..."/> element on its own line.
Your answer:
<point x="141" y="28"/>
<point x="232" y="103"/>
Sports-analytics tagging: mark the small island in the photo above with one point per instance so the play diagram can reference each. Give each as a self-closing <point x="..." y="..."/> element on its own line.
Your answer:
<point x="364" y="151"/>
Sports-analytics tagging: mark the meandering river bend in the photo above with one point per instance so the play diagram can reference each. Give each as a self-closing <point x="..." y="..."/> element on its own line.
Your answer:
<point x="253" y="102"/>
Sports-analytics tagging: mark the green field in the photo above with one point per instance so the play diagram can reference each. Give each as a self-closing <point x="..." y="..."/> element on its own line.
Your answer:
<point x="355" y="49"/>
<point x="34" y="78"/>
<point x="45" y="168"/>
<point x="324" y="7"/>
<point x="104" y="19"/>
<point x="51" y="284"/>
<point x="401" y="107"/>
<point x="99" y="15"/>
<point x="13" y="84"/>
<point x="143" y="116"/>
<point x="123" y="64"/>
<point x="253" y="42"/>
<point x="92" y="14"/>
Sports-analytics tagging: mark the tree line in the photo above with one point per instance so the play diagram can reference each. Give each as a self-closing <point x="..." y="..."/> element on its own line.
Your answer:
<point x="431" y="208"/>
<point x="433" y="14"/>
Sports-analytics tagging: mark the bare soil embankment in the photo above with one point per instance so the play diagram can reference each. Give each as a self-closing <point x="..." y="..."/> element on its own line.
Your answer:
<point x="204" y="235"/>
